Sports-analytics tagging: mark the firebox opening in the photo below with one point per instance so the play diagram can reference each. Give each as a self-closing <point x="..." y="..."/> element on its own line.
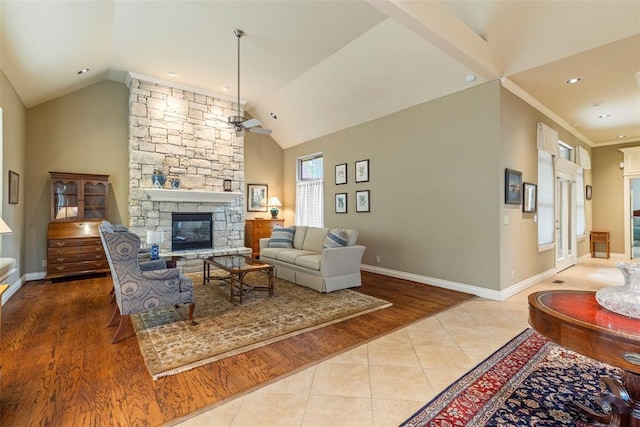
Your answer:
<point x="191" y="231"/>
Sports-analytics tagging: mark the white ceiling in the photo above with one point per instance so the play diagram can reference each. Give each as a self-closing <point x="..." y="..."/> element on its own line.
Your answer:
<point x="323" y="66"/>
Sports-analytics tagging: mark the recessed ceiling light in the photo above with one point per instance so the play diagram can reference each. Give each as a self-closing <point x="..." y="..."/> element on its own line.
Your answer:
<point x="622" y="136"/>
<point x="225" y="88"/>
<point x="471" y="77"/>
<point x="575" y="124"/>
<point x="604" y="116"/>
<point x="83" y="71"/>
<point x="573" y="80"/>
<point x="274" y="115"/>
<point x="171" y="73"/>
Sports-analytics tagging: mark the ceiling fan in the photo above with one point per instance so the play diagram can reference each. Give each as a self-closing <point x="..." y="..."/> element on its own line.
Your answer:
<point x="239" y="122"/>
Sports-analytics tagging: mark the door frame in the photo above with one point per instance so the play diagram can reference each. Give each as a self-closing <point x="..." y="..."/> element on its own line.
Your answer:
<point x="568" y="171"/>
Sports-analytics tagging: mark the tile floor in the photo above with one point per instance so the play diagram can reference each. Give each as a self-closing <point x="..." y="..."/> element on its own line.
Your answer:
<point x="384" y="382"/>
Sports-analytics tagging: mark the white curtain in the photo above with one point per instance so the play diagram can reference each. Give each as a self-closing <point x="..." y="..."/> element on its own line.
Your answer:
<point x="581" y="222"/>
<point x="583" y="158"/>
<point x="547" y="139"/>
<point x="309" y="207"/>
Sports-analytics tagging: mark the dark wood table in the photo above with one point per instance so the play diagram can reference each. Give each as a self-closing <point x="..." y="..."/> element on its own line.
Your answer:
<point x="237" y="266"/>
<point x="575" y="320"/>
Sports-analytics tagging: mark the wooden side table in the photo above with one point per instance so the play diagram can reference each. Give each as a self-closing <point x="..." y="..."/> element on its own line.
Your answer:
<point x="599" y="237"/>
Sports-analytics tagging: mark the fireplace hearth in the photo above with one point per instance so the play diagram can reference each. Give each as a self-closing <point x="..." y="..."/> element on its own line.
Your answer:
<point x="191" y="231"/>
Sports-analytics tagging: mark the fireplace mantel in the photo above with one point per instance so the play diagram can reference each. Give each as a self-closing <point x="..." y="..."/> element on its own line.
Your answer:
<point x="196" y="196"/>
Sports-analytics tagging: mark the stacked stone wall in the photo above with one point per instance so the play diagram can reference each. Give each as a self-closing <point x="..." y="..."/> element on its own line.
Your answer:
<point x="183" y="134"/>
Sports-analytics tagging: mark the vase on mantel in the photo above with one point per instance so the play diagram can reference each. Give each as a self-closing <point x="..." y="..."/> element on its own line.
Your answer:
<point x="623" y="299"/>
<point x="158" y="179"/>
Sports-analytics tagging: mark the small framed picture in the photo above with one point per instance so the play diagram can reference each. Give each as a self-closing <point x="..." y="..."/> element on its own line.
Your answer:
<point x="341" y="174"/>
<point x="341" y="203"/>
<point x="362" y="171"/>
<point x="362" y="201"/>
<point x="226" y="185"/>
<point x="512" y="187"/>
<point x="257" y="197"/>
<point x="530" y="202"/>
<point x="587" y="192"/>
<point x="14" y="187"/>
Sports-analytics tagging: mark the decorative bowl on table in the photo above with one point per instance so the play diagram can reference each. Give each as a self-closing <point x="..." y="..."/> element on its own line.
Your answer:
<point x="623" y="299"/>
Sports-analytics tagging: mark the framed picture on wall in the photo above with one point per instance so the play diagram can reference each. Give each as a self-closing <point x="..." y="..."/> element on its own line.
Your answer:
<point x="341" y="203"/>
<point x="362" y="201"/>
<point x="341" y="174"/>
<point x="257" y="197"/>
<point x="587" y="192"/>
<point x="14" y="187"/>
<point x="530" y="201"/>
<point x="362" y="171"/>
<point x="512" y="187"/>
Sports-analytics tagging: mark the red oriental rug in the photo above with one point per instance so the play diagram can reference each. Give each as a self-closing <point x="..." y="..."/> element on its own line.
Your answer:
<point x="528" y="382"/>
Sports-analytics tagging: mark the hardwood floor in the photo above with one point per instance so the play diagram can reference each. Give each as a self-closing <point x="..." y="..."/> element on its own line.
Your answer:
<point x="58" y="366"/>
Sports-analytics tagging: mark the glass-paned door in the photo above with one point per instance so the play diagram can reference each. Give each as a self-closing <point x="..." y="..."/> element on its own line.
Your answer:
<point x="565" y="222"/>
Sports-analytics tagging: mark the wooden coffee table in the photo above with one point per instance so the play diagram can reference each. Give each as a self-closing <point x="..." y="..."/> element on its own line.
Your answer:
<point x="575" y="320"/>
<point x="237" y="267"/>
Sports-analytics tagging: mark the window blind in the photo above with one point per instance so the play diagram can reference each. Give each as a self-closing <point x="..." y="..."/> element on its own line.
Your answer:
<point x="546" y="194"/>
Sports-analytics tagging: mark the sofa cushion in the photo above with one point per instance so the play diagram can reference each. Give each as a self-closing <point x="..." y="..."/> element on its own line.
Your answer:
<point x="314" y="239"/>
<point x="335" y="239"/>
<point x="271" y="252"/>
<point x="282" y="237"/>
<point x="298" y="239"/>
<point x="352" y="236"/>
<point x="291" y="255"/>
<point x="309" y="261"/>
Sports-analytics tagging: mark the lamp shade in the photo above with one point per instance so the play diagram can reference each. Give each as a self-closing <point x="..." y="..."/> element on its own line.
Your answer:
<point x="4" y="228"/>
<point x="155" y="237"/>
<point x="274" y="202"/>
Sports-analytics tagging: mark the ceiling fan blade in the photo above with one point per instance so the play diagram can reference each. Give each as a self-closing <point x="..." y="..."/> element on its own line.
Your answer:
<point x="251" y="123"/>
<point x="223" y="122"/>
<point x="261" y="131"/>
<point x="239" y="132"/>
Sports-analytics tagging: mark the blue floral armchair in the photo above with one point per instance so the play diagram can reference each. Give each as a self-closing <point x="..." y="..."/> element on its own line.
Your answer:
<point x="139" y="289"/>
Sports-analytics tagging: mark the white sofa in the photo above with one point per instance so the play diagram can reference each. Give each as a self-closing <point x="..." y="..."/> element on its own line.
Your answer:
<point x="306" y="261"/>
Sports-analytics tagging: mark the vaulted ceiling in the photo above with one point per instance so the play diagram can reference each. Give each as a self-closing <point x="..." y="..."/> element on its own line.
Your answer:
<point x="323" y="66"/>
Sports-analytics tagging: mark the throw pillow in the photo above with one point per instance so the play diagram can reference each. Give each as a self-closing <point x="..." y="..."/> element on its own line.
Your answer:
<point x="335" y="239"/>
<point x="282" y="237"/>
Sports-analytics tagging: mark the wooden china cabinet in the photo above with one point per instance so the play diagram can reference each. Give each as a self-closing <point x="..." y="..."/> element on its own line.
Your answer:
<point x="78" y="205"/>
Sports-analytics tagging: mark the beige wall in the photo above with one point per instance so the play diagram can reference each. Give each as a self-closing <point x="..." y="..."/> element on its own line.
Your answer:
<point x="519" y="239"/>
<point x="608" y="193"/>
<point x="263" y="165"/>
<point x="13" y="156"/>
<point x="433" y="204"/>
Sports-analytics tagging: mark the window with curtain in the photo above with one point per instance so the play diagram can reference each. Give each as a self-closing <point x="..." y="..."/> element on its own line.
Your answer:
<point x="580" y="212"/>
<point x="309" y="191"/>
<point x="546" y="190"/>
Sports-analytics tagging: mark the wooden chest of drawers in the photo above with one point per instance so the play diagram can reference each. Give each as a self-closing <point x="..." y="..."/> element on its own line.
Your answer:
<point x="256" y="229"/>
<point x="74" y="248"/>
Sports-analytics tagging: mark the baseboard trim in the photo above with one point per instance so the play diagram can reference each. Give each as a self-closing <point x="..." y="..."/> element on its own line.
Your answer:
<point x="463" y="287"/>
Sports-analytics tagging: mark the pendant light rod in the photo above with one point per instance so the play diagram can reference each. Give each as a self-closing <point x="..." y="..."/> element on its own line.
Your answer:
<point x="239" y="34"/>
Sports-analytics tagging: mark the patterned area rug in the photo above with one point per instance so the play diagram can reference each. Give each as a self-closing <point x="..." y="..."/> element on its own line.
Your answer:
<point x="528" y="382"/>
<point x="170" y="345"/>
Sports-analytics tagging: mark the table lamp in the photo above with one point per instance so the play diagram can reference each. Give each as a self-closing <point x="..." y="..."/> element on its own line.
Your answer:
<point x="274" y="204"/>
<point x="154" y="237"/>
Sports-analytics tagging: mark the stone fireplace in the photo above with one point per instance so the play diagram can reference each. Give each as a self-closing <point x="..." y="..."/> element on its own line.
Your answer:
<point x="175" y="131"/>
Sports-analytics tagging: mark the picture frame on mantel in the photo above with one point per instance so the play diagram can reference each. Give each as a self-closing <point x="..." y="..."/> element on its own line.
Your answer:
<point x="257" y="196"/>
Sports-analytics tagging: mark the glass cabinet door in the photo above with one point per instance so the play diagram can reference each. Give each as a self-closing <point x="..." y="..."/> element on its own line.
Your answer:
<point x="95" y="197"/>
<point x="65" y="199"/>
